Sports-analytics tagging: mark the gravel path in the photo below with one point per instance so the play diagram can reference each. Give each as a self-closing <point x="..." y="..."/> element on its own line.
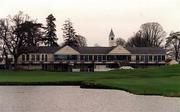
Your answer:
<point x="74" y="99"/>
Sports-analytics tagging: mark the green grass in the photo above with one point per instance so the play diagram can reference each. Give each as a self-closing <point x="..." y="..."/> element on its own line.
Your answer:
<point x="151" y="81"/>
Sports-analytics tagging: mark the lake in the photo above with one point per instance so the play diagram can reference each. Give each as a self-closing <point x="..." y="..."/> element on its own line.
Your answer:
<point x="75" y="99"/>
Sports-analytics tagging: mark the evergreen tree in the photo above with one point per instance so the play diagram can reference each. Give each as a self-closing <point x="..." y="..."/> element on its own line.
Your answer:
<point x="51" y="37"/>
<point x="69" y="34"/>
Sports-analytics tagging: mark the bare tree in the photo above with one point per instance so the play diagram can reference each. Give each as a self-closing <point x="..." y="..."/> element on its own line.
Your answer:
<point x="136" y="40"/>
<point x="150" y="35"/>
<point x="120" y="41"/>
<point x="173" y="43"/>
<point x="81" y="41"/>
<point x="153" y="34"/>
<point x="14" y="41"/>
<point x="4" y="34"/>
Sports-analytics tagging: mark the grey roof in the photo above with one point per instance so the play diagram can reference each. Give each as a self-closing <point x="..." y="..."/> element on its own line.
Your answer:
<point x="94" y="50"/>
<point x="97" y="50"/>
<point x="111" y="33"/>
<point x="41" y="49"/>
<point x="146" y="50"/>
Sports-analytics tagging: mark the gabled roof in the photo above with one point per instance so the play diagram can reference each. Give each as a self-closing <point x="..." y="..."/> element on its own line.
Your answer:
<point x="119" y="50"/>
<point x="146" y="50"/>
<point x="67" y="50"/>
<point x="97" y="50"/>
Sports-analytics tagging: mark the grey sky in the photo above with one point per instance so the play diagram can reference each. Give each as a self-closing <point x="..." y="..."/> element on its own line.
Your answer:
<point x="94" y="18"/>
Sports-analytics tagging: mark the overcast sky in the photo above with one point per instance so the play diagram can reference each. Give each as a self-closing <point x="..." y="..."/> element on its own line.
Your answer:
<point x="94" y="18"/>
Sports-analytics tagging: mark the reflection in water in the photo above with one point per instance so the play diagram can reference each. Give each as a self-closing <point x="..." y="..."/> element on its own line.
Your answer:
<point x="74" y="99"/>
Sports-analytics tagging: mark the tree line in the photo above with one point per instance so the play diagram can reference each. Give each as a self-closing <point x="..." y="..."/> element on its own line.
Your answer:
<point x="19" y="32"/>
<point x="151" y="34"/>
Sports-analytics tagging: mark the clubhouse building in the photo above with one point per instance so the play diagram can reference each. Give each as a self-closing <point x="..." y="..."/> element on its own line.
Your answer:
<point x="69" y="58"/>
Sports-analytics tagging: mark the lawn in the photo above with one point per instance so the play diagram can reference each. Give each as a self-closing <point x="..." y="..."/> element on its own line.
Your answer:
<point x="163" y="80"/>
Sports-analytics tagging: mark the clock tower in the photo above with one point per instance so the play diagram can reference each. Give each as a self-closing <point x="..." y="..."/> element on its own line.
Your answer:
<point x="112" y="39"/>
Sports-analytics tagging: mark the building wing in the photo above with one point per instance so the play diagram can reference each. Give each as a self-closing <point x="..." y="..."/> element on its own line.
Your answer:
<point x="146" y="50"/>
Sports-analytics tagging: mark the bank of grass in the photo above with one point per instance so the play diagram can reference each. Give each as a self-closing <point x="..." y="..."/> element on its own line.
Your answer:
<point x="163" y="80"/>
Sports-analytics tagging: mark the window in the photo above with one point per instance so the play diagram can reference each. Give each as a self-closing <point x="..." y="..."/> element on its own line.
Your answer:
<point x="146" y="58"/>
<point x="23" y="57"/>
<point x="137" y="58"/>
<point x="60" y="57"/>
<point x="82" y="58"/>
<point x="163" y="58"/>
<point x="127" y="58"/>
<point x="118" y="57"/>
<point x="27" y="57"/>
<point x="155" y="58"/>
<point x="99" y="58"/>
<point x="95" y="58"/>
<point x="42" y="57"/>
<point x="46" y="58"/>
<point x="121" y="57"/>
<point x="73" y="57"/>
<point x="86" y="58"/>
<point x="104" y="57"/>
<point x="159" y="58"/>
<point x="38" y="57"/>
<point x="66" y="57"/>
<point x="32" y="57"/>
<point x="142" y="58"/>
<point x="150" y="58"/>
<point x="115" y="57"/>
<point x="108" y="58"/>
<point x="90" y="58"/>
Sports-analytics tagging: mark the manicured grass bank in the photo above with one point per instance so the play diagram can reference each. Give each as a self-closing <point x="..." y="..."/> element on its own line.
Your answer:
<point x="151" y="81"/>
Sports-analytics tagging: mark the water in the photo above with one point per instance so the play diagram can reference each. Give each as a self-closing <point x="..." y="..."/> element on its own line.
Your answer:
<point x="74" y="99"/>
